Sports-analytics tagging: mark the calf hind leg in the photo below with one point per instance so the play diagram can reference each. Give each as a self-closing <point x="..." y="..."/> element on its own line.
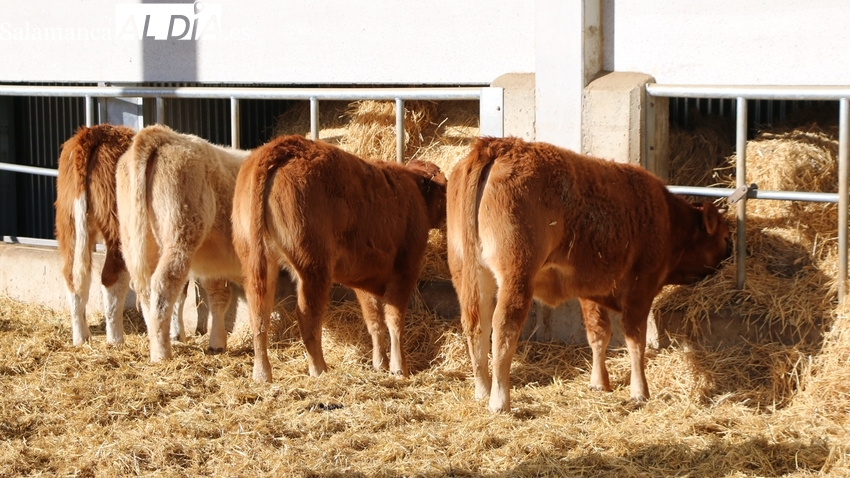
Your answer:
<point x="373" y="315"/>
<point x="313" y="297"/>
<point x="77" y="299"/>
<point x="634" y="328"/>
<point x="597" y="325"/>
<point x="115" y="283"/>
<point x="220" y="296"/>
<point x="165" y="285"/>
<point x="512" y="306"/>
<point x="178" y="329"/>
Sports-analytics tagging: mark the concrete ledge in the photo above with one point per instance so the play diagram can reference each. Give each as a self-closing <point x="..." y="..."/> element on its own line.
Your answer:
<point x="33" y="274"/>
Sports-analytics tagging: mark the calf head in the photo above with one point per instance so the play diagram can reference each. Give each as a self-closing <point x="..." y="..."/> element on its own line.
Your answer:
<point x="707" y="245"/>
<point x="432" y="184"/>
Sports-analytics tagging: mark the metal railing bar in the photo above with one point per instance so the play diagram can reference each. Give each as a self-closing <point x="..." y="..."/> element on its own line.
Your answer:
<point x="34" y="241"/>
<point x="314" y="118"/>
<point x="804" y="196"/>
<point x="234" y="122"/>
<point x="843" y="160"/>
<point x="160" y="110"/>
<point x="741" y="180"/>
<point x="30" y="241"/>
<point x="750" y="92"/>
<point x="19" y="168"/>
<point x="341" y="94"/>
<point x="399" y="130"/>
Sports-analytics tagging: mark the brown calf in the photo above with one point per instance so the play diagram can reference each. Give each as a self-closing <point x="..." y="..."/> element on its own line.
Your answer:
<point x="532" y="220"/>
<point x="328" y="216"/>
<point x="85" y="214"/>
<point x="174" y="200"/>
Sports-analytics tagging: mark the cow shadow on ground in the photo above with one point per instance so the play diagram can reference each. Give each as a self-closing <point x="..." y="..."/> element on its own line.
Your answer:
<point x="756" y="456"/>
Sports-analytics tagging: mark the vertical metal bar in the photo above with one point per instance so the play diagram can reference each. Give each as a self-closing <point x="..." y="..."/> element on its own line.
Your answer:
<point x="160" y="110"/>
<point x="399" y="130"/>
<point x="89" y="119"/>
<point x="843" y="159"/>
<point x="740" y="180"/>
<point x="234" y="122"/>
<point x="314" y="118"/>
<point x="491" y="112"/>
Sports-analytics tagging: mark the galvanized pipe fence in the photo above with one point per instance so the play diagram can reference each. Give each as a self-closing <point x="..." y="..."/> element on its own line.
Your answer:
<point x="491" y="109"/>
<point x="745" y="191"/>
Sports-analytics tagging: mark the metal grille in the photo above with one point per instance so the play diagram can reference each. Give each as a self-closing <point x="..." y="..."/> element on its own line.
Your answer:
<point x="762" y="112"/>
<point x="210" y="118"/>
<point x="39" y="128"/>
<point x="252" y="112"/>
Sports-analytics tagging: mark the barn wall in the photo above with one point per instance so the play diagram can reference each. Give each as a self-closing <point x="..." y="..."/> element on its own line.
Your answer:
<point x="781" y="42"/>
<point x="291" y="42"/>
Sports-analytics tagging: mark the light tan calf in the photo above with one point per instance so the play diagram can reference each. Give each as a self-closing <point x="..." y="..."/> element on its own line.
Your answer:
<point x="174" y="200"/>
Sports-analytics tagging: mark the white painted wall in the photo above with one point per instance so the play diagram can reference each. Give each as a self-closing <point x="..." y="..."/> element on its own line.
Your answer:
<point x="752" y="42"/>
<point x="559" y="72"/>
<point x="270" y="41"/>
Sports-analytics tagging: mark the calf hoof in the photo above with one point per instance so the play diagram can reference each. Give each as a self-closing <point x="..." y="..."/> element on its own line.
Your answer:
<point x="499" y="407"/>
<point x="81" y="340"/>
<point x="600" y="388"/>
<point x="157" y="358"/>
<point x="399" y="374"/>
<point x="214" y="351"/>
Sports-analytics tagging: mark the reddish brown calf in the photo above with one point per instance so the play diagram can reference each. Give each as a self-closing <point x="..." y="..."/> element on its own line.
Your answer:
<point x="328" y="216"/>
<point x="532" y="220"/>
<point x="86" y="213"/>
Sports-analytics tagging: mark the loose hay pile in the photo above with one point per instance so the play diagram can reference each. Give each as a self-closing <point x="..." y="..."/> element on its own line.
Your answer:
<point x="756" y="409"/>
<point x="100" y="411"/>
<point x="792" y="249"/>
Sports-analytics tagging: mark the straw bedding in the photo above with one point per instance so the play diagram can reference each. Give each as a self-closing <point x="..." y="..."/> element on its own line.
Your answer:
<point x="750" y="409"/>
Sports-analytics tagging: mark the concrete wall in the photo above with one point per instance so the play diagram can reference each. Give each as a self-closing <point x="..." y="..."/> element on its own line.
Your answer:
<point x="781" y="42"/>
<point x="267" y="41"/>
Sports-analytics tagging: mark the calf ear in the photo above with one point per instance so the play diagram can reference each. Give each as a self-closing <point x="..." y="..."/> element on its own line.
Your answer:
<point x="710" y="217"/>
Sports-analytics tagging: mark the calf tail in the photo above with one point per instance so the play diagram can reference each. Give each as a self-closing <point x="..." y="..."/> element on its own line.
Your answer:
<point x="267" y="159"/>
<point x="142" y="164"/>
<point x="471" y="185"/>
<point x="76" y="155"/>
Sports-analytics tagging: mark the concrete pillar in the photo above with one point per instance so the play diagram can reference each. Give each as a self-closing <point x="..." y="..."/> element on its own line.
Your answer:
<point x="568" y="56"/>
<point x="620" y="122"/>
<point x="519" y="104"/>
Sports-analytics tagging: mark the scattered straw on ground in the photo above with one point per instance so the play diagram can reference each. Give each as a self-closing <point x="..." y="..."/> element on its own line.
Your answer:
<point x="103" y="411"/>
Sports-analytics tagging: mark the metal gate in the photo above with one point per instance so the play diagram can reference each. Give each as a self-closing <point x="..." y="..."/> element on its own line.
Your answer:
<point x="61" y="109"/>
<point x="745" y="191"/>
